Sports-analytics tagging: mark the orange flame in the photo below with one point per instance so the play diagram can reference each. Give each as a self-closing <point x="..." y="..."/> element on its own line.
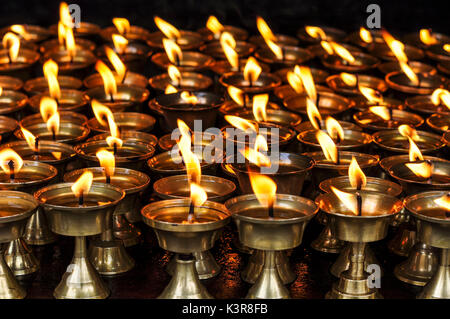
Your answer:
<point x="365" y="35"/>
<point x="373" y="96"/>
<point x="252" y="70"/>
<point x="53" y="123"/>
<point x="64" y="15"/>
<point x="174" y="74"/>
<point x="198" y="194"/>
<point x="214" y="26"/>
<point x="407" y="131"/>
<point x="295" y="82"/>
<point x="47" y="107"/>
<point x="236" y="94"/>
<point x="253" y="155"/>
<point x="396" y="46"/>
<point x="61" y="33"/>
<point x="409" y="73"/>
<point x="1" y="90"/>
<point x="12" y="43"/>
<point x="423" y="169"/>
<point x="427" y="38"/>
<point x="264" y="188"/>
<point x="228" y="39"/>
<point x="327" y="47"/>
<point x="259" y="107"/>
<point x="122" y="25"/>
<point x="191" y="161"/>
<point x="349" y="79"/>
<point x="240" y="123"/>
<point x="343" y="52"/>
<point x="51" y="75"/>
<point x="313" y="113"/>
<point x="356" y="176"/>
<point x="83" y="184"/>
<point x="20" y="30"/>
<point x="114" y="141"/>
<point x="446" y="47"/>
<point x="349" y="200"/>
<point x="414" y="152"/>
<point x="116" y="63"/>
<point x="107" y="161"/>
<point x="173" y="51"/>
<point x="276" y="49"/>
<point x="443" y="201"/>
<point x="8" y="155"/>
<point x="334" y="129"/>
<point x="231" y="55"/>
<point x="189" y="97"/>
<point x="109" y="81"/>
<point x="329" y="149"/>
<point x="30" y="138"/>
<point x="120" y="43"/>
<point x="166" y="28"/>
<point x="265" y="30"/>
<point x="307" y="79"/>
<point x="105" y="117"/>
<point x="70" y="42"/>
<point x="315" y="32"/>
<point x="381" y="111"/>
<point x="170" y="89"/>
<point x="441" y="96"/>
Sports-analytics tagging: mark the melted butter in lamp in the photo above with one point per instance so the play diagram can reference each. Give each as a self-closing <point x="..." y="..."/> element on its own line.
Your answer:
<point x="278" y="213"/>
<point x="440" y="213"/>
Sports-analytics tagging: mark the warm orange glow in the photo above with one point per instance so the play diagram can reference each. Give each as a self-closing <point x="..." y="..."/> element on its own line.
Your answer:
<point x="47" y="107"/>
<point x="105" y="117"/>
<point x="83" y="184"/>
<point x="12" y="43"/>
<point x="51" y="75"/>
<point x="315" y="32"/>
<point x="20" y="30"/>
<point x="120" y="43"/>
<point x="327" y="47"/>
<point x="174" y="75"/>
<point x="441" y="96"/>
<point x="313" y="113"/>
<point x="307" y="79"/>
<point x="30" y="138"/>
<point x="8" y="155"/>
<point x="259" y="107"/>
<point x="198" y="194"/>
<point x="227" y="38"/>
<point x="64" y="15"/>
<point x="414" y="152"/>
<point x="409" y="73"/>
<point x="265" y="30"/>
<point x="184" y="128"/>
<point x="356" y="176"/>
<point x="57" y="155"/>
<point x="191" y="161"/>
<point x="446" y="47"/>
<point x="396" y="46"/>
<point x="365" y="35"/>
<point x="407" y="131"/>
<point x="295" y="82"/>
<point x="334" y="129"/>
<point x="122" y="25"/>
<point x="276" y="49"/>
<point x="109" y="81"/>
<point x="107" y="161"/>
<point x="252" y="70"/>
<point x="329" y="149"/>
<point x="381" y="111"/>
<point x="53" y="123"/>
<point x="165" y="27"/>
<point x="349" y="79"/>
<point x="240" y="123"/>
<point x="231" y="55"/>
<point x="422" y="169"/>
<point x="236" y="94"/>
<point x="343" y="52"/>
<point x="214" y="26"/>
<point x="349" y="200"/>
<point x="173" y="51"/>
<point x="116" y="63"/>
<point x="264" y="188"/>
<point x="170" y="89"/>
<point x="1" y="90"/>
<point x="260" y="143"/>
<point x="70" y="42"/>
<point x="189" y="97"/>
<point x="373" y="96"/>
<point x="253" y="155"/>
<point x="443" y="201"/>
<point x="427" y="38"/>
<point x="61" y="33"/>
<point x="114" y="142"/>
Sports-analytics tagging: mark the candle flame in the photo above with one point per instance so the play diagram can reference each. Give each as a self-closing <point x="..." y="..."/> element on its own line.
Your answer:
<point x="356" y="176"/>
<point x="240" y="123"/>
<point x="295" y="82"/>
<point x="446" y="47"/>
<point x="349" y="79"/>
<point x="252" y="70"/>
<point x="423" y="169"/>
<point x="198" y="194"/>
<point x="334" y="129"/>
<point x="184" y="128"/>
<point x="214" y="26"/>
<point x="396" y="46"/>
<point x="259" y="107"/>
<point x="236" y="94"/>
<point x="122" y="25"/>
<point x="426" y="37"/>
<point x="441" y="96"/>
<point x="1" y="91"/>
<point x="11" y="42"/>
<point x="70" y="42"/>
<point x="264" y="188"/>
<point x="47" y="107"/>
<point x="64" y="15"/>
<point x="61" y="33"/>
<point x="409" y="73"/>
<point x="83" y="184"/>
<point x="313" y="113"/>
<point x="8" y="155"/>
<point x="307" y="79"/>
<point x="342" y="52"/>
<point x="327" y="47"/>
<point x="120" y="43"/>
<point x="265" y="30"/>
<point x="191" y="161"/>
<point x="51" y="75"/>
<point x="170" y="89"/>
<point x="414" y="152"/>
<point x="253" y="155"/>
<point x="381" y="111"/>
<point x="316" y="32"/>
<point x="407" y="131"/>
<point x="105" y="117"/>
<point x="53" y="123"/>
<point x="372" y="95"/>
<point x="109" y="81"/>
<point x="173" y="51"/>
<point x="349" y="200"/>
<point x="329" y="148"/>
<point x="107" y="161"/>
<point x="20" y="30"/>
<point x="174" y="74"/>
<point x="166" y="28"/>
<point x="365" y="35"/>
<point x="116" y="63"/>
<point x="276" y="49"/>
<point x="114" y="141"/>
<point x="30" y="138"/>
<point x="230" y="54"/>
<point x="189" y="97"/>
<point x="227" y="38"/>
<point x="444" y="201"/>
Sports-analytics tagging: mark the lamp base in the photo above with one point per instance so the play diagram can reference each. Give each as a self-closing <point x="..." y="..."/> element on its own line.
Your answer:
<point x="205" y="264"/>
<point x="269" y="284"/>
<point x="110" y="257"/>
<point x="419" y="267"/>
<point x="342" y="263"/>
<point x="9" y="286"/>
<point x="256" y="263"/>
<point x="81" y="280"/>
<point x="403" y="241"/>
<point x="37" y="231"/>
<point x="326" y="242"/>
<point x="185" y="283"/>
<point x="439" y="285"/>
<point x="20" y="258"/>
<point x="129" y="234"/>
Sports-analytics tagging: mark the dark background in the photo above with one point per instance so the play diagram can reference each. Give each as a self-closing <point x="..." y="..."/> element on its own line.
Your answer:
<point x="284" y="16"/>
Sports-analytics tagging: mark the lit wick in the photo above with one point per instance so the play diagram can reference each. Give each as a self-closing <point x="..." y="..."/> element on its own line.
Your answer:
<point x="11" y="171"/>
<point x="124" y="76"/>
<point x="111" y="98"/>
<point x="271" y="209"/>
<point x="108" y="178"/>
<point x="359" y="199"/>
<point x="191" y="215"/>
<point x="36" y="147"/>
<point x="53" y="134"/>
<point x="81" y="199"/>
<point x="114" y="149"/>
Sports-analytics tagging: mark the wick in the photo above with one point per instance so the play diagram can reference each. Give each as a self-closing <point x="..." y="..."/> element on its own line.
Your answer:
<point x="11" y="171"/>
<point x="114" y="149"/>
<point x="124" y="76"/>
<point x="191" y="216"/>
<point x="177" y="60"/>
<point x="430" y="179"/>
<point x="108" y="179"/>
<point x="9" y="58"/>
<point x="282" y="53"/>
<point x="271" y="210"/>
<point x="81" y="200"/>
<point x="111" y="98"/>
<point x="36" y="147"/>
<point x="359" y="199"/>
<point x="318" y="99"/>
<point x="53" y="134"/>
